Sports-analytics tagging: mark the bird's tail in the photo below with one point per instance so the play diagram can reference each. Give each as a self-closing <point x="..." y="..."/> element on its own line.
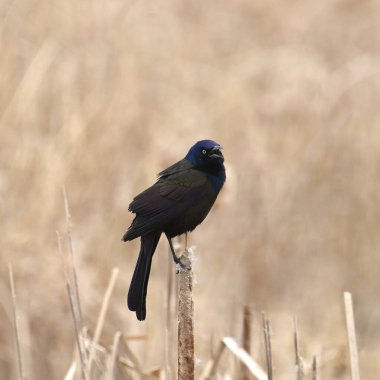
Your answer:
<point x="139" y="283"/>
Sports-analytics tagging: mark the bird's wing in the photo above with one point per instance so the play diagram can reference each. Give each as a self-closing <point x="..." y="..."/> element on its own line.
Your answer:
<point x="170" y="196"/>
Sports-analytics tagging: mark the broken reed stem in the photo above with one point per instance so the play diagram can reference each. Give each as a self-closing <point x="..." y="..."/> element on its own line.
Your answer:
<point x="71" y="251"/>
<point x="211" y="366"/>
<point x="245" y="358"/>
<point x="314" y="368"/>
<point x="246" y="339"/>
<point x="77" y="332"/>
<point x="268" y="348"/>
<point x="70" y="374"/>
<point x="15" y="323"/>
<point x="351" y="336"/>
<point x="185" y="318"/>
<point x="113" y="356"/>
<point x="128" y="358"/>
<point x="74" y="297"/>
<point x="247" y="329"/>
<point x="77" y="327"/>
<point x="298" y="360"/>
<point x="102" y="316"/>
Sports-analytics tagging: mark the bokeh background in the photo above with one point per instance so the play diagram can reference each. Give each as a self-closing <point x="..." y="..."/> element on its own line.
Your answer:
<point x="100" y="96"/>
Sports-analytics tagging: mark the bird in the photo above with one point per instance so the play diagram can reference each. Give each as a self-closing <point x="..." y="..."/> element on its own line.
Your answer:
<point x="176" y="204"/>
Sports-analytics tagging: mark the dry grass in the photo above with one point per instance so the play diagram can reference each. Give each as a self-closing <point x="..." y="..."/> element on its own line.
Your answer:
<point x="100" y="96"/>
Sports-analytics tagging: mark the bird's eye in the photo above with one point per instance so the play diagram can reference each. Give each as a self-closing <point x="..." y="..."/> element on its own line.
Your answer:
<point x="204" y="151"/>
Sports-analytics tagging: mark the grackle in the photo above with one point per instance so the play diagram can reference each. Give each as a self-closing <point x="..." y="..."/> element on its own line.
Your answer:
<point x="180" y="200"/>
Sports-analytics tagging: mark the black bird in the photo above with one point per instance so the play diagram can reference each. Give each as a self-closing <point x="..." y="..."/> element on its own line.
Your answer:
<point x="180" y="200"/>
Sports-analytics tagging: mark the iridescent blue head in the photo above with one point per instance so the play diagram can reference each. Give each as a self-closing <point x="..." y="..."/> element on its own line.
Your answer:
<point x="205" y="152"/>
<point x="207" y="156"/>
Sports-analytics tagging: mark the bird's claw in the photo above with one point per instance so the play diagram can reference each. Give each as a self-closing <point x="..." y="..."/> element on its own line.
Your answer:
<point x="182" y="265"/>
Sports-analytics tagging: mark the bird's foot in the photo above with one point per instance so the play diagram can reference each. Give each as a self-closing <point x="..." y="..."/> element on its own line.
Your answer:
<point x="181" y="264"/>
<point x="177" y="259"/>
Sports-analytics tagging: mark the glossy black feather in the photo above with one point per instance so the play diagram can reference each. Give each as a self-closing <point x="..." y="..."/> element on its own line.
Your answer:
<point x="167" y="200"/>
<point x="139" y="284"/>
<point x="179" y="201"/>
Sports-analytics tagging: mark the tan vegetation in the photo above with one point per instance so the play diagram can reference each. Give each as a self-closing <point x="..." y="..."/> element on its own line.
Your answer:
<point x="102" y="95"/>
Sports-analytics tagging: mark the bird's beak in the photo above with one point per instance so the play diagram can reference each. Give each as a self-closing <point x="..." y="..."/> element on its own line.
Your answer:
<point x="215" y="152"/>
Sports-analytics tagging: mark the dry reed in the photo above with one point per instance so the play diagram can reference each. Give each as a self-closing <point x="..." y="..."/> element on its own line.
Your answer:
<point x="101" y="96"/>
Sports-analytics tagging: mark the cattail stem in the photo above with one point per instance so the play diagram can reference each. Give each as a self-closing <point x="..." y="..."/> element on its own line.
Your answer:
<point x="169" y="333"/>
<point x="351" y="335"/>
<point x="268" y="347"/>
<point x="185" y="318"/>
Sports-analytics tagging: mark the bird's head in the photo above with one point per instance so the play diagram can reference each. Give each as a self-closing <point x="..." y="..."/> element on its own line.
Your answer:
<point x="206" y="153"/>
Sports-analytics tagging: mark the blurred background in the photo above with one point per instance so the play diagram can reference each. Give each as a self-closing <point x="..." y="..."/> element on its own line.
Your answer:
<point x="101" y="96"/>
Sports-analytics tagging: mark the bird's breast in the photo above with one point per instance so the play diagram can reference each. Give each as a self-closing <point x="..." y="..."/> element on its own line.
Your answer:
<point x="192" y="216"/>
